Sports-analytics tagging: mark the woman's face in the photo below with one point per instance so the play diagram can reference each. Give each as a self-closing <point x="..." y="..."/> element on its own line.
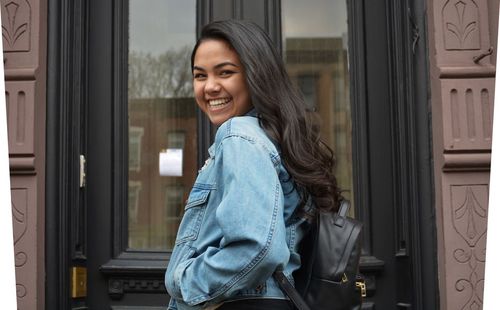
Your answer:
<point x="219" y="82"/>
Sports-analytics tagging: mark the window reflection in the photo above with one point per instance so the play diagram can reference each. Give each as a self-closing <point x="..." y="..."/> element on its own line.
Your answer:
<point x="315" y="51"/>
<point x="162" y="115"/>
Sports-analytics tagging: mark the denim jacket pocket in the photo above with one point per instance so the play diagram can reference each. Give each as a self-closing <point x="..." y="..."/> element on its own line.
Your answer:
<point x="193" y="215"/>
<point x="180" y="254"/>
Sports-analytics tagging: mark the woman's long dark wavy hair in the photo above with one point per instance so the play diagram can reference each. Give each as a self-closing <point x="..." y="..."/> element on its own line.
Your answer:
<point x="281" y="110"/>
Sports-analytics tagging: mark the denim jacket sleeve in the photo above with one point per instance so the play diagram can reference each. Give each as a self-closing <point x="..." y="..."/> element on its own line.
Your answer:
<point x="250" y="216"/>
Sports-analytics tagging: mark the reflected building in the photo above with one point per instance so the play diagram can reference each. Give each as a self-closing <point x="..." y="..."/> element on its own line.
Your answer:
<point x="318" y="66"/>
<point x="156" y="202"/>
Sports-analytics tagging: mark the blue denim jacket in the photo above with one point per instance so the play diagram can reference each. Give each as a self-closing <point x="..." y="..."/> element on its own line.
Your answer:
<point x="238" y="225"/>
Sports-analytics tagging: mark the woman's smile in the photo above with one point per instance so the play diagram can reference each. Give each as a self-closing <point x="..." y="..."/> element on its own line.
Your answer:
<point x="219" y="104"/>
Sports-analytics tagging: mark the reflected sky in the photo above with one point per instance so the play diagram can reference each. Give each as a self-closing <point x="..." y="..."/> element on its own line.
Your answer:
<point x="318" y="18"/>
<point x="159" y="25"/>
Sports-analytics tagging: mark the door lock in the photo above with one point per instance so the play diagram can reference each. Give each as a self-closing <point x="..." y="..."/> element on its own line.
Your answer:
<point x="78" y="282"/>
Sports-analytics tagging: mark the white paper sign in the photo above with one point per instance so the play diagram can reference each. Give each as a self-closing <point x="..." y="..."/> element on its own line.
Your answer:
<point x="171" y="162"/>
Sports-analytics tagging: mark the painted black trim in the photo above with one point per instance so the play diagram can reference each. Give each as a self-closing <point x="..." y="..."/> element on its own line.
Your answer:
<point x="79" y="93"/>
<point x="119" y="115"/>
<point x="404" y="165"/>
<point x="423" y="234"/>
<point x="360" y="160"/>
<point x="414" y="196"/>
<point x="274" y="23"/>
<point x="401" y="122"/>
<point x="56" y="244"/>
<point x="65" y="221"/>
<point x="416" y="235"/>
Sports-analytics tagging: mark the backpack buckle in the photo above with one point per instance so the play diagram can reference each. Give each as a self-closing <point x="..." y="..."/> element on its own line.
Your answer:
<point x="344" y="278"/>
<point x="362" y="287"/>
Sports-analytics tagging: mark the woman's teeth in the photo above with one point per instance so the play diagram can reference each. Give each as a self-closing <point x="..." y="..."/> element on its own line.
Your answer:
<point x="217" y="102"/>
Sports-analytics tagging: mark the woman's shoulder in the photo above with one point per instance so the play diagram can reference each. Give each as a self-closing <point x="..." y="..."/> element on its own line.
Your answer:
<point x="241" y="126"/>
<point x="246" y="128"/>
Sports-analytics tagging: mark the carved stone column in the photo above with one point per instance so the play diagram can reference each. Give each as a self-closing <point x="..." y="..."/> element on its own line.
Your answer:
<point x="24" y="43"/>
<point x="462" y="86"/>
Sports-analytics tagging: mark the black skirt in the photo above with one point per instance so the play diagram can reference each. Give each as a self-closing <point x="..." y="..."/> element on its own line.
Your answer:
<point x="257" y="304"/>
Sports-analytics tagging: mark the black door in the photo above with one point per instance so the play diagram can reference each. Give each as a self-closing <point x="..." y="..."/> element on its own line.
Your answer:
<point x="119" y="95"/>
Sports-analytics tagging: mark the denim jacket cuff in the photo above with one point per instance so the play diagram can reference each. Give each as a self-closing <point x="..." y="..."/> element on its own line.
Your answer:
<point x="179" y="271"/>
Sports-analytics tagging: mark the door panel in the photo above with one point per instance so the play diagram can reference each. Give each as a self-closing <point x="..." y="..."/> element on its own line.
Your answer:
<point x="136" y="114"/>
<point x="141" y="105"/>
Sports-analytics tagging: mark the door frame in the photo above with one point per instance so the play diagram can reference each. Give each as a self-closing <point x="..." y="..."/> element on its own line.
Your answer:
<point x="67" y="97"/>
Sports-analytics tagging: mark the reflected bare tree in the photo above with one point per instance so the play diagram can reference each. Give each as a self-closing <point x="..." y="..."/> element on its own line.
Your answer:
<point x="167" y="75"/>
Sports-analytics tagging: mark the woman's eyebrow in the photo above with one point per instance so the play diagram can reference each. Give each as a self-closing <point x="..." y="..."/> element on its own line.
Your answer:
<point x="226" y="63"/>
<point x="198" y="68"/>
<point x="218" y="66"/>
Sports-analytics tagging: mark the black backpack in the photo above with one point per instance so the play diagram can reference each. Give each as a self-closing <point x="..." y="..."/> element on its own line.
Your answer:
<point x="328" y="277"/>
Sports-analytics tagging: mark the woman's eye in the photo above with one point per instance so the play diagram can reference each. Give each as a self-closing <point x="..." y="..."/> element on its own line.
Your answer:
<point x="226" y="73"/>
<point x="198" y="76"/>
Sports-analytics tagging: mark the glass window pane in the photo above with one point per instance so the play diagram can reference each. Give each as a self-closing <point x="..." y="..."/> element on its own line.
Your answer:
<point x="162" y="118"/>
<point x="315" y="51"/>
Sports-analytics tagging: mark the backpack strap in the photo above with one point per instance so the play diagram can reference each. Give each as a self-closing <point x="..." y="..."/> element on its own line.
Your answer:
<point x="342" y="213"/>
<point x="288" y="288"/>
<point x="344" y="208"/>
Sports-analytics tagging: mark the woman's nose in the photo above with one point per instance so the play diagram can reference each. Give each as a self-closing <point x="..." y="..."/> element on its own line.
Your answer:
<point x="212" y="86"/>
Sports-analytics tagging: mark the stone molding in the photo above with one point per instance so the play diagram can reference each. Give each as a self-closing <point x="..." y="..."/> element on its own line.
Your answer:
<point x="461" y="32"/>
<point x="24" y="42"/>
<point x="462" y="92"/>
<point x="465" y="222"/>
<point x="467" y="105"/>
<point x="25" y="226"/>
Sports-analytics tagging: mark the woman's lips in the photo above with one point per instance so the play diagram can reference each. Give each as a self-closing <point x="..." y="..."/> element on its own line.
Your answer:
<point x="218" y="104"/>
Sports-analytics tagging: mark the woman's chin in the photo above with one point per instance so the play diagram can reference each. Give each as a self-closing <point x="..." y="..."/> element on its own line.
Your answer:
<point x="219" y="115"/>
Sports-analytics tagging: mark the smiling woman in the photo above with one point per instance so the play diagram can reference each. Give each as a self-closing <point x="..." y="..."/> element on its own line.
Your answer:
<point x="219" y="82"/>
<point x="268" y="172"/>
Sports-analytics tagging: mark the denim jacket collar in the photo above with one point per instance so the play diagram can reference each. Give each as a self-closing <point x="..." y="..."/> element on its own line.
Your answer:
<point x="211" y="149"/>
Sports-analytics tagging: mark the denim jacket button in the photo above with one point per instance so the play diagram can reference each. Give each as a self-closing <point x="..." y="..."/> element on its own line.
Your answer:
<point x="259" y="287"/>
